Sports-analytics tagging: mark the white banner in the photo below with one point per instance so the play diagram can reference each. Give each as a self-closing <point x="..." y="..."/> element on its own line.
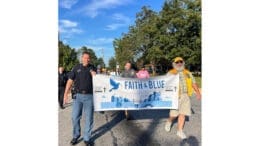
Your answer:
<point x="117" y="93"/>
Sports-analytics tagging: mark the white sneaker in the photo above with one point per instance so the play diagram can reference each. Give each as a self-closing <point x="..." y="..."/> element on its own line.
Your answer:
<point x="181" y="134"/>
<point x="168" y="125"/>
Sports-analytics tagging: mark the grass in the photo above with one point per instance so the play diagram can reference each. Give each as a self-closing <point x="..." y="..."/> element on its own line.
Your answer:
<point x="198" y="81"/>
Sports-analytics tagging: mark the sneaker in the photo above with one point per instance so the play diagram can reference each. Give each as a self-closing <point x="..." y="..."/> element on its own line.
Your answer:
<point x="74" y="141"/>
<point x="87" y="143"/>
<point x="168" y="125"/>
<point x="181" y="134"/>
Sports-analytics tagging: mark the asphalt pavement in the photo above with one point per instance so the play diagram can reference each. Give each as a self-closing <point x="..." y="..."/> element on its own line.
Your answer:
<point x="146" y="128"/>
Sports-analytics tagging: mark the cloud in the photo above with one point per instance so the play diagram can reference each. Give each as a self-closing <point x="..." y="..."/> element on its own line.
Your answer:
<point x="67" y="4"/>
<point x="95" y="6"/>
<point x="114" y="26"/>
<point x="68" y="23"/>
<point x="121" y="17"/>
<point x="100" y="41"/>
<point x="67" y="28"/>
<point x="121" y="21"/>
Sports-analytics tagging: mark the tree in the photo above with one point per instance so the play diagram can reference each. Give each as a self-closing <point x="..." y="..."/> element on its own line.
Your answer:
<point x="67" y="56"/>
<point x="94" y="59"/>
<point x="100" y="62"/>
<point x="112" y="63"/>
<point x="157" y="38"/>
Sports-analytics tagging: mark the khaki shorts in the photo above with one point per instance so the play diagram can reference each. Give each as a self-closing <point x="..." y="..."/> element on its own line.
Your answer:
<point x="184" y="106"/>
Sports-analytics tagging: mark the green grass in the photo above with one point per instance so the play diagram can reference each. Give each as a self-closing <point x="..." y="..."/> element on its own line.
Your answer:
<point x="198" y="81"/>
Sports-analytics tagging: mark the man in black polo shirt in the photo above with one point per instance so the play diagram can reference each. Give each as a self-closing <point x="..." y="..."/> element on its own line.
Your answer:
<point x="81" y="75"/>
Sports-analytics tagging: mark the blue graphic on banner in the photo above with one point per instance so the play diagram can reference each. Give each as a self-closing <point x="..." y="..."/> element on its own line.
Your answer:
<point x="116" y="93"/>
<point x="153" y="100"/>
<point x="114" y="85"/>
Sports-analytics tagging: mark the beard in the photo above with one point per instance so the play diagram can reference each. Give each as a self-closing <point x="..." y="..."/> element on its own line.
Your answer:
<point x="179" y="69"/>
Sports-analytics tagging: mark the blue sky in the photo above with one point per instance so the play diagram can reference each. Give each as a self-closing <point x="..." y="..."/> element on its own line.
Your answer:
<point x="96" y="23"/>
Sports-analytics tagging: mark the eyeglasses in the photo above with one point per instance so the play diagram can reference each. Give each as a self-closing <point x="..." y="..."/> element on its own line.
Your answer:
<point x="179" y="62"/>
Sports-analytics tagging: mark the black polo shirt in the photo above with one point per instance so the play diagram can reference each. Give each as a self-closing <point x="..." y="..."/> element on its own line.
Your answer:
<point x="82" y="78"/>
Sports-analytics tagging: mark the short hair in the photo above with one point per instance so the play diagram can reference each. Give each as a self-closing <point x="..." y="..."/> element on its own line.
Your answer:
<point x="85" y="52"/>
<point x="129" y="62"/>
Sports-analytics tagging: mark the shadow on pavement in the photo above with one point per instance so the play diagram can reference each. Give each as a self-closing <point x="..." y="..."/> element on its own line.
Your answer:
<point x="190" y="141"/>
<point x="140" y="137"/>
<point x="108" y="126"/>
<point x="144" y="137"/>
<point x="149" y="114"/>
<point x="152" y="114"/>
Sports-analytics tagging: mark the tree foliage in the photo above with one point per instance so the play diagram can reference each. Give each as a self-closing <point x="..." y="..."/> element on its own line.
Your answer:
<point x="94" y="59"/>
<point x="156" y="38"/>
<point x="112" y="63"/>
<point x="67" y="56"/>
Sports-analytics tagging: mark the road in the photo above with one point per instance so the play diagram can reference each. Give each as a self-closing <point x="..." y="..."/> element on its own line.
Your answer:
<point x="146" y="128"/>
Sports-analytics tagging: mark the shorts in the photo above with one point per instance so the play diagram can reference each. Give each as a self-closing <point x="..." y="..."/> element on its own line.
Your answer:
<point x="184" y="106"/>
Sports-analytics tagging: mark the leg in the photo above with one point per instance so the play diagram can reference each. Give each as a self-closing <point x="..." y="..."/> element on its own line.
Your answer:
<point x="127" y="116"/>
<point x="171" y="119"/>
<point x="184" y="110"/>
<point x="76" y="115"/>
<point x="181" y="121"/>
<point x="88" y="109"/>
<point x="61" y="95"/>
<point x="126" y="112"/>
<point x="173" y="114"/>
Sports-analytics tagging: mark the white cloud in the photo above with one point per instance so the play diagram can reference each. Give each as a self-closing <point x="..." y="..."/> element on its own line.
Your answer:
<point x="68" y="23"/>
<point x="100" y="41"/>
<point x="95" y="6"/>
<point x="68" y="28"/>
<point x="121" y="21"/>
<point x="75" y="30"/>
<point x="121" y="17"/>
<point x="67" y="4"/>
<point x="114" y="26"/>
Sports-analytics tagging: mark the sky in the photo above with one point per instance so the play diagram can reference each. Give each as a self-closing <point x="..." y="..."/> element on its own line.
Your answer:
<point x="96" y="23"/>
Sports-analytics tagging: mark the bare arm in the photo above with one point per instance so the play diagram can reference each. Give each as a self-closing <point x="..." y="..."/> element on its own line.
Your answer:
<point x="67" y="89"/>
<point x="197" y="91"/>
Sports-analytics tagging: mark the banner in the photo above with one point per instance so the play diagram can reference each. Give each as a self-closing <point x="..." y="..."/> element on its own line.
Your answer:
<point x="117" y="93"/>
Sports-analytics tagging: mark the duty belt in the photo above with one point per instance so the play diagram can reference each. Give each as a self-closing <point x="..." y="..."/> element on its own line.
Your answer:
<point x="82" y="92"/>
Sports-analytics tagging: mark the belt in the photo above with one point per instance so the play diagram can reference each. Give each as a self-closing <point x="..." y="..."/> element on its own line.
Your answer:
<point x="83" y="92"/>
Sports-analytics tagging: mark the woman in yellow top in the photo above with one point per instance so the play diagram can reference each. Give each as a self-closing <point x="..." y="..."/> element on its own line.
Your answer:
<point x="187" y="85"/>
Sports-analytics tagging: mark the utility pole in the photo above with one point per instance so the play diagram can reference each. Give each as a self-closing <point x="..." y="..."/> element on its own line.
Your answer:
<point x="103" y="54"/>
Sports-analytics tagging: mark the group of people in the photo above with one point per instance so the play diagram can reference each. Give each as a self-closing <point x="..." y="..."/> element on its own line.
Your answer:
<point x="81" y="77"/>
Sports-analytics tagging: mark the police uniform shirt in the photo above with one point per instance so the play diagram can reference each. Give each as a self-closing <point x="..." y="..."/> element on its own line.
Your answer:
<point x="82" y="78"/>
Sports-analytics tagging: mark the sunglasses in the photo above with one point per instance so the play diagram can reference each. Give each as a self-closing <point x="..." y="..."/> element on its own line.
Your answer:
<point x="179" y="62"/>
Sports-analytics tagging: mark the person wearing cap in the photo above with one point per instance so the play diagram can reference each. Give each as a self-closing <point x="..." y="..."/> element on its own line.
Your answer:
<point x="143" y="73"/>
<point x="187" y="85"/>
